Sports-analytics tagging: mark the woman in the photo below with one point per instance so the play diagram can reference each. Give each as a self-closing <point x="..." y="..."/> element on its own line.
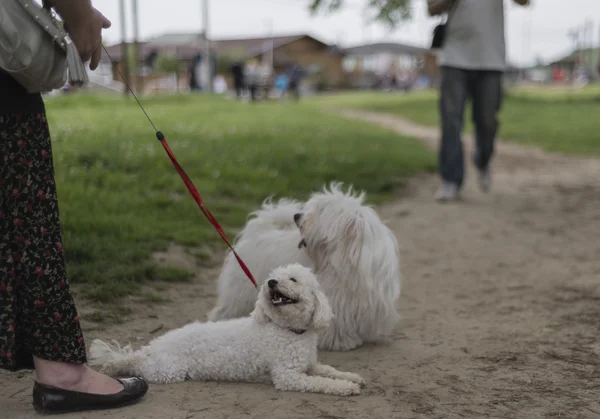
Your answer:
<point x="39" y="325"/>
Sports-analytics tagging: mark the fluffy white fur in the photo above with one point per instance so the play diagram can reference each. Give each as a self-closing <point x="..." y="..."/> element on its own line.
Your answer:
<point x="354" y="255"/>
<point x="245" y="349"/>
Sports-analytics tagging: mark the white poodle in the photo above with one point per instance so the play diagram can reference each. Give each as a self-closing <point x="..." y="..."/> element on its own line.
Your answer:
<point x="279" y="339"/>
<point x="354" y="255"/>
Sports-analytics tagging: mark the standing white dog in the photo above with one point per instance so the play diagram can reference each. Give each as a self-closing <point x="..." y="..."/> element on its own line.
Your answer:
<point x="354" y="255"/>
<point x="279" y="339"/>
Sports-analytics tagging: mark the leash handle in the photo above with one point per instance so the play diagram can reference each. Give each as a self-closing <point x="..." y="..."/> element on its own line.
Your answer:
<point x="196" y="195"/>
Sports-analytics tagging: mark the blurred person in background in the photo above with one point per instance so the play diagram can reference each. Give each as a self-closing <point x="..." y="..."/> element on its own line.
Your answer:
<point x="251" y="78"/>
<point x="237" y="71"/>
<point x="294" y="74"/>
<point x="265" y="79"/>
<point x="281" y="85"/>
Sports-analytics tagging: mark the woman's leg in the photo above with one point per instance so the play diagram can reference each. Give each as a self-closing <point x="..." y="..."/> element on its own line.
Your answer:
<point x="39" y="324"/>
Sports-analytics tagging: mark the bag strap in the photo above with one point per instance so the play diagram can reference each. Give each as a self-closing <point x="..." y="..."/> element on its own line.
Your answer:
<point x="45" y="18"/>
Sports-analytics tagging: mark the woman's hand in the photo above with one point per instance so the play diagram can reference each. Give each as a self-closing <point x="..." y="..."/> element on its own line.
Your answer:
<point x="87" y="36"/>
<point x="84" y="24"/>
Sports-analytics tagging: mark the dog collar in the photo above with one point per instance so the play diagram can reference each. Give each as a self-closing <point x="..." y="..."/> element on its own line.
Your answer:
<point x="298" y="331"/>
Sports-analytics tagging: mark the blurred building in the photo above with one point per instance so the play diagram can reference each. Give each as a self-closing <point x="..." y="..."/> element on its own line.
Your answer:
<point x="171" y="61"/>
<point x="580" y="63"/>
<point x="322" y="62"/>
<point x="373" y="65"/>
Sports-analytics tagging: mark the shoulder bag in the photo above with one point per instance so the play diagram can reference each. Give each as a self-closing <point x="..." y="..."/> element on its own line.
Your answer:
<point x="439" y="32"/>
<point x="35" y="49"/>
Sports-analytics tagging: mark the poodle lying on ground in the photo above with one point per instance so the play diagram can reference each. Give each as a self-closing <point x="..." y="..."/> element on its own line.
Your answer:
<point x="354" y="255"/>
<point x="279" y="339"/>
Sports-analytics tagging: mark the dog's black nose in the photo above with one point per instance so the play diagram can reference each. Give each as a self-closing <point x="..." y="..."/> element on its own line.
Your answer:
<point x="272" y="283"/>
<point x="297" y="217"/>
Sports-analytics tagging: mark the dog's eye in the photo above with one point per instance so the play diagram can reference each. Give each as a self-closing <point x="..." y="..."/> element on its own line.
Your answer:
<point x="293" y="279"/>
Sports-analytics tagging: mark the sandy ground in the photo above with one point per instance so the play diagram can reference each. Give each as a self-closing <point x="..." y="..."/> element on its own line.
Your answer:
<point x="500" y="305"/>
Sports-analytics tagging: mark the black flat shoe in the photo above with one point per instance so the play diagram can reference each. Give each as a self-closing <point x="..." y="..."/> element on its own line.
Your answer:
<point x="49" y="400"/>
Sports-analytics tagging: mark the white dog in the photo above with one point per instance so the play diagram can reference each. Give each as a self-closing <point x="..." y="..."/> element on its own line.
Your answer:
<point x="354" y="255"/>
<point x="279" y="339"/>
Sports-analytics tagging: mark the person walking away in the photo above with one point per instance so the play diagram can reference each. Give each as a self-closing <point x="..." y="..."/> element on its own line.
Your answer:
<point x="39" y="324"/>
<point x="472" y="63"/>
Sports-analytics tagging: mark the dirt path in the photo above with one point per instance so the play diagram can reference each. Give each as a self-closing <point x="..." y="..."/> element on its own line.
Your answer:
<point x="501" y="307"/>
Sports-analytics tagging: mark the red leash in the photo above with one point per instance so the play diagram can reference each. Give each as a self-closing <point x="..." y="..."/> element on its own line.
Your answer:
<point x="186" y="179"/>
<point x="196" y="195"/>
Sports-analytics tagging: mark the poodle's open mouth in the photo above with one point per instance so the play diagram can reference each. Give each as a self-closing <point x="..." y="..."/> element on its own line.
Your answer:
<point x="278" y="299"/>
<point x="302" y="244"/>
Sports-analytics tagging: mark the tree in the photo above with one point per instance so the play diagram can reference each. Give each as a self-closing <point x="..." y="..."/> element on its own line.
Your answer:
<point x="390" y="12"/>
<point x="166" y="63"/>
<point x="226" y="59"/>
<point x="132" y="59"/>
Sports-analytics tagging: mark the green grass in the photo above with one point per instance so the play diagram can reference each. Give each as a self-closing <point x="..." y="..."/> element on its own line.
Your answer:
<point x="115" y="315"/>
<point x="556" y="120"/>
<point x="559" y="93"/>
<point x="150" y="297"/>
<point x="121" y="199"/>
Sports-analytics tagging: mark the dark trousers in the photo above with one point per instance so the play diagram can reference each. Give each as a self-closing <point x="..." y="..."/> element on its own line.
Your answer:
<point x="239" y="88"/>
<point x="253" y="88"/>
<point x="37" y="312"/>
<point x="238" y="91"/>
<point x="293" y="89"/>
<point x="484" y="89"/>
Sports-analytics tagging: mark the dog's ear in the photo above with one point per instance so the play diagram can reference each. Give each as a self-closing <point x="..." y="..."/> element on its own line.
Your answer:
<point x="258" y="314"/>
<point x="353" y="239"/>
<point x="322" y="315"/>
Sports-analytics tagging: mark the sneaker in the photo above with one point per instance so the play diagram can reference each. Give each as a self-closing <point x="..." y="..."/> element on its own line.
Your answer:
<point x="485" y="180"/>
<point x="447" y="192"/>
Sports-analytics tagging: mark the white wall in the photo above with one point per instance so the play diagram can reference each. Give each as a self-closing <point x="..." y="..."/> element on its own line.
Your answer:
<point x="381" y="63"/>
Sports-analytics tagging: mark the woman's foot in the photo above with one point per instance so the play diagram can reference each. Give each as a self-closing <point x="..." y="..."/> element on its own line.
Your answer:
<point x="62" y="387"/>
<point x="74" y="377"/>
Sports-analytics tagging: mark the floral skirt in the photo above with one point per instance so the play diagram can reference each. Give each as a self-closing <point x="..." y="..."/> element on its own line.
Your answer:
<point x="37" y="312"/>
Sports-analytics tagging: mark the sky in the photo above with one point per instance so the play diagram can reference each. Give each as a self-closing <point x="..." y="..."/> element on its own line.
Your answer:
<point x="538" y="31"/>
